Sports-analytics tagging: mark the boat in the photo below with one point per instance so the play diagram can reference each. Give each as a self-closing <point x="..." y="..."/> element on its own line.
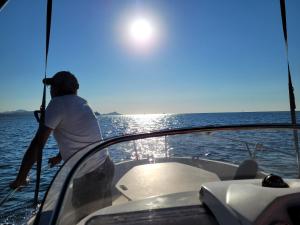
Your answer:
<point x="175" y="188"/>
<point x="199" y="175"/>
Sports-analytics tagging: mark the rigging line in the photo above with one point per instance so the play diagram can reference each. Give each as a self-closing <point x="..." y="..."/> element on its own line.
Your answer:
<point x="8" y="196"/>
<point x="3" y="3"/>
<point x="12" y="192"/>
<point x="283" y="19"/>
<point x="43" y="105"/>
<point x="290" y="85"/>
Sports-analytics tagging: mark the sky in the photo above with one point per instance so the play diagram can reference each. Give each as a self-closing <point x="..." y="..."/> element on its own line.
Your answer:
<point x="201" y="56"/>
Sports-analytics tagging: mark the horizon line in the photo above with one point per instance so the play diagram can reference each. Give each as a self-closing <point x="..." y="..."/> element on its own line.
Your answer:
<point x="20" y="111"/>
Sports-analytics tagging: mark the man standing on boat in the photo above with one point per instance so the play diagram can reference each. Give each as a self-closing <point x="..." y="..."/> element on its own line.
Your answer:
<point x="74" y="127"/>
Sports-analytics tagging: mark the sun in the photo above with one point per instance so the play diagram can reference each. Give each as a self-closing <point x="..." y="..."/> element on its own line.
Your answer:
<point x="141" y="31"/>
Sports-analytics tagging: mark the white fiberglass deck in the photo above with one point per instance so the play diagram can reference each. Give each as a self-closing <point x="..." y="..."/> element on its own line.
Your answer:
<point x="145" y="181"/>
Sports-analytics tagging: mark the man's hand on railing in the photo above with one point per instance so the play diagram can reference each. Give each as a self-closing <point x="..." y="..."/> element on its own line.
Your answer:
<point x="54" y="160"/>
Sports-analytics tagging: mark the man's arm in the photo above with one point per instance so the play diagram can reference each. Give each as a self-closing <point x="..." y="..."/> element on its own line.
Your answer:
<point x="31" y="154"/>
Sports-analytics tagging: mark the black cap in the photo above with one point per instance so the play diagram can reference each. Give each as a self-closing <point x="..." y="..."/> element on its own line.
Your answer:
<point x="63" y="80"/>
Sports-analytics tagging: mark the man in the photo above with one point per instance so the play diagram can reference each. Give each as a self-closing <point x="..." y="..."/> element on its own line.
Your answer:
<point x="74" y="127"/>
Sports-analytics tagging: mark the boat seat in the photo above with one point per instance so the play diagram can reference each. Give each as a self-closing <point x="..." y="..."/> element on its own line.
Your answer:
<point x="246" y="170"/>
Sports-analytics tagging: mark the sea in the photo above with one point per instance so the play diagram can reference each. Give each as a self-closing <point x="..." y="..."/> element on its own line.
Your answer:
<point x="17" y="131"/>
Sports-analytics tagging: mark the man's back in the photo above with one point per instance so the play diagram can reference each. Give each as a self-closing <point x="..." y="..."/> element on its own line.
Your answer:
<point x="75" y="127"/>
<point x="73" y="122"/>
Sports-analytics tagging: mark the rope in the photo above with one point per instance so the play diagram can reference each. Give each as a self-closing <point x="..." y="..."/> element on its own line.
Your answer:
<point x="43" y="105"/>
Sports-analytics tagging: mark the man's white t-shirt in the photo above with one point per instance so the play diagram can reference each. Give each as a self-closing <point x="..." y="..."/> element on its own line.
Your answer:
<point x="74" y="124"/>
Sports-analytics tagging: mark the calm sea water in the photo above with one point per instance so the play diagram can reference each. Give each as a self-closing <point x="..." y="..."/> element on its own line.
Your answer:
<point x="16" y="132"/>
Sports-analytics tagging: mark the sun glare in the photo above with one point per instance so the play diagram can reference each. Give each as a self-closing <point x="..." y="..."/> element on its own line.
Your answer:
<point x="141" y="31"/>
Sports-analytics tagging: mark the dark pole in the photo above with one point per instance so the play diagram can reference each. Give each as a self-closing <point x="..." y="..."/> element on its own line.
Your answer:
<point x="43" y="105"/>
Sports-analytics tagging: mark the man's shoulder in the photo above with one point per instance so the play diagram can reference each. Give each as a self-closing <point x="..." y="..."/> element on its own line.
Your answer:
<point x="54" y="102"/>
<point x="68" y="98"/>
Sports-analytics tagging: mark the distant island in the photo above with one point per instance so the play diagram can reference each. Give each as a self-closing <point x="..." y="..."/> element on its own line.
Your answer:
<point x="25" y="112"/>
<point x="108" y="114"/>
<point x="17" y="112"/>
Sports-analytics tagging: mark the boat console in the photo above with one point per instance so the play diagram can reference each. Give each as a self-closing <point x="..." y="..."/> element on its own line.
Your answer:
<point x="249" y="202"/>
<point x="172" y="209"/>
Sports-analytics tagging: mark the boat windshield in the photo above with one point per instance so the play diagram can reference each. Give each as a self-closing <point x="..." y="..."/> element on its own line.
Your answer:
<point x="164" y="170"/>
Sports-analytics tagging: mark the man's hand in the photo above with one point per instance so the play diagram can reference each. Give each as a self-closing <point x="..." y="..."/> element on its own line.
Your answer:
<point x="54" y="160"/>
<point x="30" y="156"/>
<point x="18" y="183"/>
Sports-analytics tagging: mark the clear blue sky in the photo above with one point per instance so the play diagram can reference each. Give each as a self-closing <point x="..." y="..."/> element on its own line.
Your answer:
<point x="209" y="55"/>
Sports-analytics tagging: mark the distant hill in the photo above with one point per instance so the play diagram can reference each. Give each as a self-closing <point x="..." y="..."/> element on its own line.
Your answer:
<point x="17" y="112"/>
<point x="108" y="114"/>
<point x="25" y="112"/>
<point x="112" y="114"/>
